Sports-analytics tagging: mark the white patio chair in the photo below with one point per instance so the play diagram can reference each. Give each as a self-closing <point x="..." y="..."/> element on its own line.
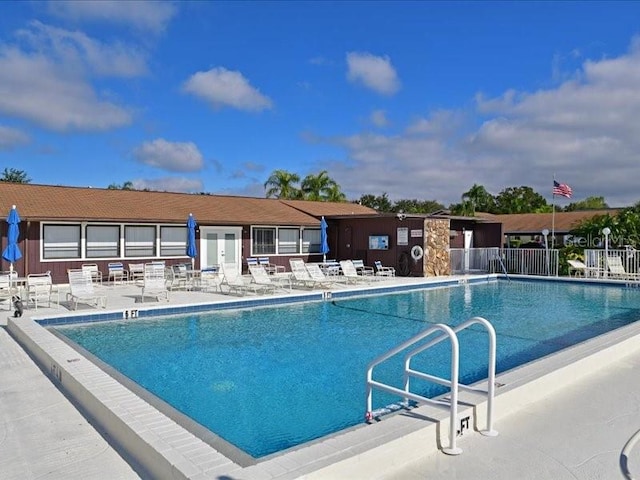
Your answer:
<point x="82" y="290"/>
<point x="383" y="271"/>
<point x="361" y="268"/>
<point x="136" y="271"/>
<point x="7" y="289"/>
<point x="117" y="273"/>
<point x="154" y="283"/>
<point x="39" y="289"/>
<point x="92" y="268"/>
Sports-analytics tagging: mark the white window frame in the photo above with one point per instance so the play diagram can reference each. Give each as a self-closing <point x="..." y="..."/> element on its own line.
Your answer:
<point x="102" y="244"/>
<point x="133" y="246"/>
<point x="176" y="241"/>
<point x="69" y="246"/>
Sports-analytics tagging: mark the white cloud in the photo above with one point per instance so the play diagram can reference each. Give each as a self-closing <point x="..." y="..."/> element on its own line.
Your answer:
<point x="78" y="51"/>
<point x="172" y="156"/>
<point x="142" y="15"/>
<point x="379" y="118"/>
<point x="11" y="138"/>
<point x="43" y="92"/>
<point x="221" y="87"/>
<point x="170" y="184"/>
<point x="373" y="72"/>
<point x="585" y="132"/>
<point x="45" y="79"/>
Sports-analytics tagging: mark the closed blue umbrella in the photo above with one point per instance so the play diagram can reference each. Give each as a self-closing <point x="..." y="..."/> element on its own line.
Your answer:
<point x="12" y="253"/>
<point x="192" y="251"/>
<point x="324" y="244"/>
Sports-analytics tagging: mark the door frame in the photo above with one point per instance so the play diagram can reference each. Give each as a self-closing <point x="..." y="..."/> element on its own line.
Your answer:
<point x="221" y="231"/>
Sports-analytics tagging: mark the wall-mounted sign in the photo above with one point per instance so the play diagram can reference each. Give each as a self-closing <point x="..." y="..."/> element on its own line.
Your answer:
<point x="416" y="233"/>
<point x="403" y="236"/>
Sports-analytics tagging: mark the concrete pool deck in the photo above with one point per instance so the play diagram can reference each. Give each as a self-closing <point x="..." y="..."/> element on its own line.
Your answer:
<point x="573" y="423"/>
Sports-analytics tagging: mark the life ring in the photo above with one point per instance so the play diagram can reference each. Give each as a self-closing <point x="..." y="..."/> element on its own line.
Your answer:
<point x="417" y="252"/>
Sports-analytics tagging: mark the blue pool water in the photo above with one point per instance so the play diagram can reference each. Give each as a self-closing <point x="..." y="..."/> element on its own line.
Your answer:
<point x="266" y="379"/>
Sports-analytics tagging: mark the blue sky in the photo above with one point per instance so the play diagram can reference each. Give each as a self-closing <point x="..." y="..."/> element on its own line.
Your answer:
<point x="413" y="99"/>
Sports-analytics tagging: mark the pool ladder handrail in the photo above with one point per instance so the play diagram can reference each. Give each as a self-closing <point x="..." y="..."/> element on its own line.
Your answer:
<point x="446" y="332"/>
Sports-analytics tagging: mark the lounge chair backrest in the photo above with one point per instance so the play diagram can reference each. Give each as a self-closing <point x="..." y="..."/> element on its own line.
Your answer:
<point x="314" y="272"/>
<point x="231" y="274"/>
<point x="358" y="263"/>
<point x="348" y="270"/>
<point x="5" y="280"/>
<point x="298" y="269"/>
<point x="252" y="261"/>
<point x="259" y="274"/>
<point x="615" y="265"/>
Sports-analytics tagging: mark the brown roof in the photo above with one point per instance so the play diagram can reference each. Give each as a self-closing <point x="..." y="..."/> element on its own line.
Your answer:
<point x="318" y="209"/>
<point x="46" y="202"/>
<point x="536" y="222"/>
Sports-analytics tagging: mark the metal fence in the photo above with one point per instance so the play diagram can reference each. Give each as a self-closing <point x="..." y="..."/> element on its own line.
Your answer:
<point x="596" y="262"/>
<point x="523" y="261"/>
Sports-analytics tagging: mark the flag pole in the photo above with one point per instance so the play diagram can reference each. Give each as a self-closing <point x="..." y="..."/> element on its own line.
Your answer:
<point x="553" y="214"/>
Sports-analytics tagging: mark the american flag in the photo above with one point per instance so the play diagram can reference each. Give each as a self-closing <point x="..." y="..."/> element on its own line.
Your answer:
<point x="562" y="189"/>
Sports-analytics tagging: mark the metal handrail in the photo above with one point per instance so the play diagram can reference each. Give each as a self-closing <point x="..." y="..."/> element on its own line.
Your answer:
<point x="446" y="332"/>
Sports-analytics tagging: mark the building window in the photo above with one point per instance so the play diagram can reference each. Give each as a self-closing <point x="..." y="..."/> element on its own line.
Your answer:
<point x="139" y="241"/>
<point x="264" y="241"/>
<point x="311" y="240"/>
<point x="173" y="241"/>
<point x="103" y="241"/>
<point x="61" y="241"/>
<point x="288" y="240"/>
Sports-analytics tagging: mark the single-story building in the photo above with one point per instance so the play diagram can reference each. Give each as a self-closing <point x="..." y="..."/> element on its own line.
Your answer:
<point x="523" y="228"/>
<point x="64" y="227"/>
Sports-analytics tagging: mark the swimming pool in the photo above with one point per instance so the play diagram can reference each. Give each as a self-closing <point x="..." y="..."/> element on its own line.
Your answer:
<point x="266" y="379"/>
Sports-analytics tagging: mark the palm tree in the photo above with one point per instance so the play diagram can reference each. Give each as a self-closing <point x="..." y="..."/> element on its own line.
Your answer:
<point x="318" y="187"/>
<point x="335" y="194"/>
<point x="282" y="184"/>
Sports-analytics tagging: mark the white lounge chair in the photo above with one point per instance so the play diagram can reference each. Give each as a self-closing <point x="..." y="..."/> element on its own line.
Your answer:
<point x="39" y="289"/>
<point x="261" y="278"/>
<point x="300" y="275"/>
<point x="351" y="274"/>
<point x="82" y="290"/>
<point x="319" y="278"/>
<point x="236" y="282"/>
<point x="153" y="282"/>
<point x="270" y="268"/>
<point x="577" y="268"/>
<point x="617" y="270"/>
<point x="383" y="271"/>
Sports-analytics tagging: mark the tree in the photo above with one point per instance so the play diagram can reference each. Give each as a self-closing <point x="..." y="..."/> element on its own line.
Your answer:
<point x="416" y="206"/>
<point x="479" y="199"/>
<point x="13" y="175"/>
<point x="589" y="203"/>
<point x="125" y="186"/>
<point x="282" y="184"/>
<point x="334" y="194"/>
<point x="319" y="187"/>
<point x="379" y="203"/>
<point x="521" y="200"/>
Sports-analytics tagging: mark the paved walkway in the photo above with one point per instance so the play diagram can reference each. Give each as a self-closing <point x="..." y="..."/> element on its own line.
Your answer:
<point x="575" y="434"/>
<point x="42" y="435"/>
